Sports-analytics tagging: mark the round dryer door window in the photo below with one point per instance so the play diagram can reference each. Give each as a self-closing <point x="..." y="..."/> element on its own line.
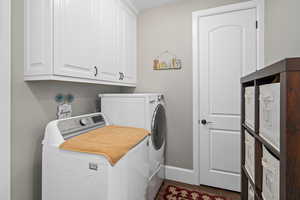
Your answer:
<point x="158" y="127"/>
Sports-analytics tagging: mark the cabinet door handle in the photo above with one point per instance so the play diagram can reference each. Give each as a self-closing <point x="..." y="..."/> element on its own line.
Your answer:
<point x="121" y="76"/>
<point x="96" y="70"/>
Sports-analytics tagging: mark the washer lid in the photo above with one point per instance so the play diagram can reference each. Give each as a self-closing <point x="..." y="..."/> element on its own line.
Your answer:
<point x="158" y="127"/>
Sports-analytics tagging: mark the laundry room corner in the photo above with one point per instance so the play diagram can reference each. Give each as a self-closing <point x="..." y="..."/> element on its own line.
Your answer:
<point x="176" y="85"/>
<point x="150" y="99"/>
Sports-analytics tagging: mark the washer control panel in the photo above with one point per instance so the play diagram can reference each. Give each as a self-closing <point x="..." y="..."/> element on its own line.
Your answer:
<point x="78" y="125"/>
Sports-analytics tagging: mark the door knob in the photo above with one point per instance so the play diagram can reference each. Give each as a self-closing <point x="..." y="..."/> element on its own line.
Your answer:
<point x="204" y="122"/>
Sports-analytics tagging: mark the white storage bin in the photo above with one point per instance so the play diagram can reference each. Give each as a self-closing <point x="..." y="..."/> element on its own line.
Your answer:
<point x="249" y="106"/>
<point x="250" y="155"/>
<point x="270" y="114"/>
<point x="271" y="176"/>
<point x="251" y="194"/>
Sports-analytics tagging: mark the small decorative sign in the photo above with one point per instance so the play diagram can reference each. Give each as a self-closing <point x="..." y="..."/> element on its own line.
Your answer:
<point x="167" y="61"/>
<point x="64" y="108"/>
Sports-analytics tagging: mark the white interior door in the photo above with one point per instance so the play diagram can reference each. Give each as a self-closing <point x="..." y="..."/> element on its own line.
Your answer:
<point x="227" y="50"/>
<point x="5" y="99"/>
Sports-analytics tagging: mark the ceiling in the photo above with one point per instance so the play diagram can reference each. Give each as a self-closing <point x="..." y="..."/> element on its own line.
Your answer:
<point x="145" y="4"/>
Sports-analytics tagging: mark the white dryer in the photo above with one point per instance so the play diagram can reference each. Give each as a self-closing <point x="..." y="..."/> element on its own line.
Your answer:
<point x="142" y="111"/>
<point x="77" y="176"/>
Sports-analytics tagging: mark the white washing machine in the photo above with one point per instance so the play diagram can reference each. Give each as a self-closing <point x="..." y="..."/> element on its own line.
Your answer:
<point x="77" y="176"/>
<point x="142" y="111"/>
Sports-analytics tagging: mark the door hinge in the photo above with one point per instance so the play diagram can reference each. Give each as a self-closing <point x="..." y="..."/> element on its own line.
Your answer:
<point x="256" y="24"/>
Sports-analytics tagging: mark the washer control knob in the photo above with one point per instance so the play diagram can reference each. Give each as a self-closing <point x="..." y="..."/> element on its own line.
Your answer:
<point x="83" y="122"/>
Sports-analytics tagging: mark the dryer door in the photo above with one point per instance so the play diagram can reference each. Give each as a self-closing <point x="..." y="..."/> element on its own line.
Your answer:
<point x="157" y="151"/>
<point x="158" y="127"/>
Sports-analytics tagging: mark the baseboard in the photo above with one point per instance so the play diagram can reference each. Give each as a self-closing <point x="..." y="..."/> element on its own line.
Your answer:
<point x="181" y="175"/>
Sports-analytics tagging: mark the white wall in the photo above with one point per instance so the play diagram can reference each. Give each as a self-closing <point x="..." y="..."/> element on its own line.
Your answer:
<point x="282" y="30"/>
<point x="5" y="99"/>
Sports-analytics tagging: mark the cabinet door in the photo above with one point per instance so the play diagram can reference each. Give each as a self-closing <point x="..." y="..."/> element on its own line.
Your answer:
<point x="75" y="38"/>
<point x="37" y="32"/>
<point x="130" y="47"/>
<point x="108" y="22"/>
<point x="121" y="38"/>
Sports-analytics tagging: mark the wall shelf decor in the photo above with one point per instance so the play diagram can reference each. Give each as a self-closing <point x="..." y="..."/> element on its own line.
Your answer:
<point x="275" y="132"/>
<point x="167" y="61"/>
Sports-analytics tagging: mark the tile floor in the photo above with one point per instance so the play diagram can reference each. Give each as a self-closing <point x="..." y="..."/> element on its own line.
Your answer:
<point x="225" y="193"/>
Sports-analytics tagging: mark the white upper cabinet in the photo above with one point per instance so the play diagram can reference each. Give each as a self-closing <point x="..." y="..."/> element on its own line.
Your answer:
<point x="75" y="38"/>
<point x="108" y="21"/>
<point x="38" y="34"/>
<point x="119" y="40"/>
<point x="130" y="43"/>
<point x="91" y="41"/>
